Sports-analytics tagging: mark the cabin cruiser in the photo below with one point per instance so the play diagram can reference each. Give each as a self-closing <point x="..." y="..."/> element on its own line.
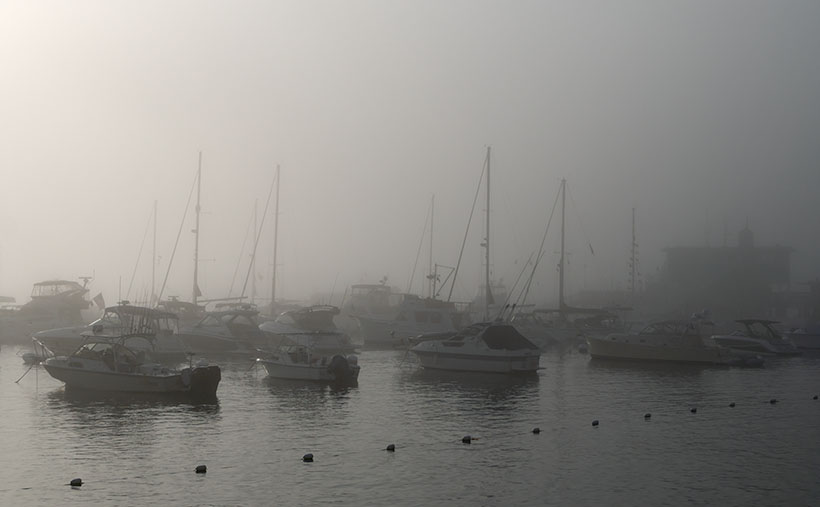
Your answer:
<point x="53" y="303"/>
<point x="806" y="337"/>
<point x="298" y="362"/>
<point x="310" y="327"/>
<point x="669" y="340"/>
<point x="118" y="320"/>
<point x="233" y="332"/>
<point x="413" y="317"/>
<point x="758" y="336"/>
<point x="113" y="365"/>
<point x="490" y="347"/>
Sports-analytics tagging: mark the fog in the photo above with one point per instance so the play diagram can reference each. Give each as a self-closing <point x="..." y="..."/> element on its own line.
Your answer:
<point x="703" y="116"/>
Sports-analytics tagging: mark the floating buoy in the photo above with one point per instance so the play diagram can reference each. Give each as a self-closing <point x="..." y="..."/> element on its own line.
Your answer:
<point x="536" y="430"/>
<point x="466" y="439"/>
<point x="773" y="401"/>
<point x="732" y="405"/>
<point x="595" y="422"/>
<point x="201" y="469"/>
<point x="694" y="410"/>
<point x="815" y="397"/>
<point x="307" y="458"/>
<point x="390" y="447"/>
<point x="647" y="416"/>
<point x="76" y="483"/>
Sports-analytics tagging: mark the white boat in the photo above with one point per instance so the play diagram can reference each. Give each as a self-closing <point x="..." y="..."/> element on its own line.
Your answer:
<point x="758" y="336"/>
<point x="116" y="321"/>
<point x="668" y="340"/>
<point x="301" y="363"/>
<point x="312" y="327"/>
<point x="489" y="347"/>
<point x="111" y="365"/>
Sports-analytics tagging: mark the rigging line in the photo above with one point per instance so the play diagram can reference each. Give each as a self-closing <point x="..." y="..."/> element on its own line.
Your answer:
<point x="241" y="254"/>
<point x="469" y="221"/>
<point x="575" y="208"/>
<point x="176" y="243"/>
<point x="418" y="253"/>
<point x="139" y="255"/>
<point x="259" y="233"/>
<point x="518" y="279"/>
<point x="526" y="289"/>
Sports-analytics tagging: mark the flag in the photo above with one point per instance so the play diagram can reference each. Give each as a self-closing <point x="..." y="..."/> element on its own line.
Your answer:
<point x="99" y="300"/>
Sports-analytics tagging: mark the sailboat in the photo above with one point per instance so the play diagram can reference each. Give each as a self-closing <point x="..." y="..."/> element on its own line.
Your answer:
<point x="492" y="346"/>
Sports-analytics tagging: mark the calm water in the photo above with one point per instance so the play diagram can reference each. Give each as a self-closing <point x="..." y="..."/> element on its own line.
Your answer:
<point x="144" y="451"/>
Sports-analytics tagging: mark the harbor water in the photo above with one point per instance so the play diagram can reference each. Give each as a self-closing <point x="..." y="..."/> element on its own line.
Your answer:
<point x="694" y="449"/>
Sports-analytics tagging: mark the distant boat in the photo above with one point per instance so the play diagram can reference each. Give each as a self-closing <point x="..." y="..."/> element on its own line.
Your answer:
<point x="312" y="327"/>
<point x="229" y="332"/>
<point x="53" y="303"/>
<point x="298" y="362"/>
<point x="758" y="336"/>
<point x="488" y="347"/>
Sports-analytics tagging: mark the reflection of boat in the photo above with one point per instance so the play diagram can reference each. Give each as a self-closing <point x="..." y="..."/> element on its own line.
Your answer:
<point x="310" y="327"/>
<point x="758" y="336"/>
<point x="483" y="347"/>
<point x="662" y="341"/>
<point x="116" y="321"/>
<point x="298" y="362"/>
<point x="54" y="303"/>
<point x="225" y="332"/>
<point x="110" y="364"/>
<point x="413" y="316"/>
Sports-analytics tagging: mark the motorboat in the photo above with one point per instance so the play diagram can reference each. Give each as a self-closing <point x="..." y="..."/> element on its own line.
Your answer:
<point x="107" y="364"/>
<point x="116" y="321"/>
<point x="490" y="347"/>
<point x="312" y="327"/>
<point x="232" y="332"/>
<point x="298" y="362"/>
<point x="669" y="340"/>
<point x="760" y="337"/>
<point x="53" y="303"/>
<point x="806" y="338"/>
<point x="413" y="316"/>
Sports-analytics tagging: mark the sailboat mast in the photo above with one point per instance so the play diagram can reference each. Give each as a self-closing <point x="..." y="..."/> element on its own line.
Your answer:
<point x="151" y="301"/>
<point x="275" y="241"/>
<point x="561" y="262"/>
<point x="253" y="256"/>
<point x="430" y="262"/>
<point x="487" y="293"/>
<point x="196" y="292"/>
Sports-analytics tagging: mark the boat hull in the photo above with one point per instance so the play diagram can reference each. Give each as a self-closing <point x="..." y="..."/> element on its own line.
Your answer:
<point x="300" y="371"/>
<point x="485" y="363"/>
<point x="620" y="349"/>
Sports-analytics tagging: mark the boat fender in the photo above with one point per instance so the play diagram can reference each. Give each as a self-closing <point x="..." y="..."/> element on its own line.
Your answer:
<point x="647" y="416"/>
<point x="186" y="377"/>
<point x="694" y="410"/>
<point x="773" y="401"/>
<point x="536" y="430"/>
<point x="732" y="405"/>
<point x="815" y="397"/>
<point x="467" y="439"/>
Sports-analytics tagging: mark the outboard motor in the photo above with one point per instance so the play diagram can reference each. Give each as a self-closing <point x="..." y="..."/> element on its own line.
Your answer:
<point x="341" y="369"/>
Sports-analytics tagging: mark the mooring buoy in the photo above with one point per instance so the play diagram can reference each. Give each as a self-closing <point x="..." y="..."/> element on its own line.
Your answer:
<point x="773" y="401"/>
<point x="732" y="405"/>
<point x="536" y="430"/>
<point x="647" y="415"/>
<point x="390" y="447"/>
<point x="694" y="410"/>
<point x="815" y="397"/>
<point x="201" y="469"/>
<point x="595" y="422"/>
<point x="76" y="483"/>
<point x="307" y="458"/>
<point x="466" y="439"/>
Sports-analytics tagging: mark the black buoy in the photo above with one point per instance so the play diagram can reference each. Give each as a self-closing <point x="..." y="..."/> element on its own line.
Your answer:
<point x="390" y="447"/>
<point x="732" y="405"/>
<point x="307" y="458"/>
<point x="647" y="416"/>
<point x="76" y="483"/>
<point x="773" y="401"/>
<point x="201" y="469"/>
<point x="466" y="439"/>
<point x="694" y="410"/>
<point x="536" y="430"/>
<point x="595" y="422"/>
<point x="815" y="397"/>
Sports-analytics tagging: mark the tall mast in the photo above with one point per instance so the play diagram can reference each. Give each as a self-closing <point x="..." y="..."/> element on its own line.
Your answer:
<point x="432" y="276"/>
<point x="633" y="260"/>
<point x="253" y="256"/>
<point x="151" y="301"/>
<point x="275" y="241"/>
<point x="488" y="295"/>
<point x="196" y="291"/>
<point x="561" y="262"/>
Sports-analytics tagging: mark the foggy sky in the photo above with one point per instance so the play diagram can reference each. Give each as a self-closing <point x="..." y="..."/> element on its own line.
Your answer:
<point x="701" y="115"/>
